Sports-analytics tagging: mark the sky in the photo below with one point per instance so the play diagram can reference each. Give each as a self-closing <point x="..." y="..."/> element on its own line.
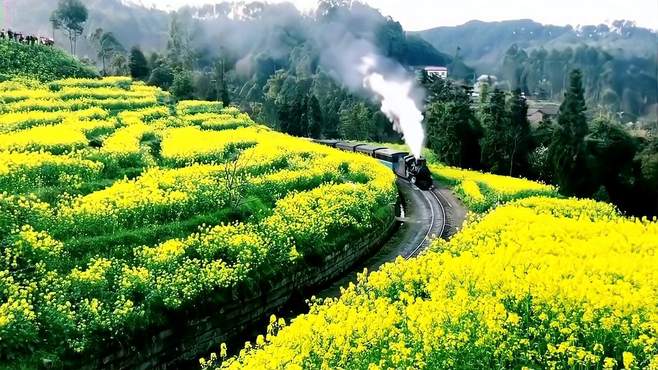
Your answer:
<point x="417" y="15"/>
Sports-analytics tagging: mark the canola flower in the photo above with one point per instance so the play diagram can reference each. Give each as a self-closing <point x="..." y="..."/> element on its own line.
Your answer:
<point x="56" y="139"/>
<point x="21" y="120"/>
<point x="191" y="107"/>
<point x="23" y="171"/>
<point x="186" y="145"/>
<point x="116" y="208"/>
<point x="539" y="283"/>
<point x="480" y="191"/>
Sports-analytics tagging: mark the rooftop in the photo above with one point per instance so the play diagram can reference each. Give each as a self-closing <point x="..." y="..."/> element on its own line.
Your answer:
<point x="436" y="68"/>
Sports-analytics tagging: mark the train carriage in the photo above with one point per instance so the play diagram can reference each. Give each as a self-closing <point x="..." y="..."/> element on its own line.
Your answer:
<point x="404" y="165"/>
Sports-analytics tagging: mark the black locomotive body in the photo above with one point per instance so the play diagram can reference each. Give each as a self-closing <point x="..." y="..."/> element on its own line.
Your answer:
<point x="402" y="163"/>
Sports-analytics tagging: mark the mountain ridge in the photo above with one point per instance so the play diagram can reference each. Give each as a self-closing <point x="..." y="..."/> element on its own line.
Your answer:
<point x="483" y="44"/>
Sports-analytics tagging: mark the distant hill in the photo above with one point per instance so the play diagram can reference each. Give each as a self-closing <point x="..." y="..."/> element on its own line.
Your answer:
<point x="131" y="24"/>
<point x="44" y="63"/>
<point x="484" y="44"/>
<point x="216" y="23"/>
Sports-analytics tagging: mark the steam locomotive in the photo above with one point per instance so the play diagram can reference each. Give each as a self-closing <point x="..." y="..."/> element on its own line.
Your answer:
<point x="402" y="163"/>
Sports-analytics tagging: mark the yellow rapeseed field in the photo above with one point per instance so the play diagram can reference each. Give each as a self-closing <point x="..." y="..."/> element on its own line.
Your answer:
<point x="119" y="207"/>
<point x="539" y="283"/>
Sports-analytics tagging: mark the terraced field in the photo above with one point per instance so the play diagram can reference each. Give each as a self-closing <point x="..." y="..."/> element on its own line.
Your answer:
<point x="118" y="207"/>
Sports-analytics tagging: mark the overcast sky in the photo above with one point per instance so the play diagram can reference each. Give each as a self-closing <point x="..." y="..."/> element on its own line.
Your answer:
<point x="422" y="14"/>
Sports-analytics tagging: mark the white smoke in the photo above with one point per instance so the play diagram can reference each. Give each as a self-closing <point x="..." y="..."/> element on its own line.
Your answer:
<point x="397" y="103"/>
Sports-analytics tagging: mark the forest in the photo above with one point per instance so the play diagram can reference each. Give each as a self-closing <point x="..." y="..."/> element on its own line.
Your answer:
<point x="585" y="154"/>
<point x="621" y="85"/>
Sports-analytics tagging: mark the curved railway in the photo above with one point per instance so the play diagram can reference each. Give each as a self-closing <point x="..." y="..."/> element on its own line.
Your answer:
<point x="437" y="225"/>
<point x="424" y="216"/>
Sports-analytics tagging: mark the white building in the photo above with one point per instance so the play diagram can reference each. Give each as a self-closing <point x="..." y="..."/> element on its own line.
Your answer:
<point x="489" y="80"/>
<point x="441" y="72"/>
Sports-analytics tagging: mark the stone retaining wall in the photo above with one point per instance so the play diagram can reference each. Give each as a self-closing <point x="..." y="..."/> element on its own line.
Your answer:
<point x="196" y="333"/>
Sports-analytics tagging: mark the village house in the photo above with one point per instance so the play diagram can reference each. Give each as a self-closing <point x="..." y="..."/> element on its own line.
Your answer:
<point x="436" y="71"/>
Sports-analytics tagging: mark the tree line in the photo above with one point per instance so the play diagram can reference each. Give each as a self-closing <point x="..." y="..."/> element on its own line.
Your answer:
<point x="586" y="155"/>
<point x="620" y="84"/>
<point x="286" y="84"/>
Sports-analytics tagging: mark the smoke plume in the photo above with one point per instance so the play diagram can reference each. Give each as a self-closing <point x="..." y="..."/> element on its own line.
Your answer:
<point x="349" y="52"/>
<point x="396" y="103"/>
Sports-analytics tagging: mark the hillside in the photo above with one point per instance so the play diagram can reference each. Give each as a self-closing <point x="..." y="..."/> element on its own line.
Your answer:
<point x="273" y="61"/>
<point x="122" y="215"/>
<point x="484" y="44"/>
<point x="273" y="29"/>
<point x="133" y="25"/>
<point x="40" y="62"/>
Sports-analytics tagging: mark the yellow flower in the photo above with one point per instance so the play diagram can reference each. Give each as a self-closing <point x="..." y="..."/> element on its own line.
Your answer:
<point x="628" y="360"/>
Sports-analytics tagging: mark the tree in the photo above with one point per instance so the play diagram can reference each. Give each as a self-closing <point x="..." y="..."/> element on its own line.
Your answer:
<point x="221" y="86"/>
<point x="162" y="75"/>
<point x="182" y="87"/>
<point x="355" y="121"/>
<point x="453" y="132"/>
<point x="496" y="140"/>
<point x="139" y="68"/>
<point x="520" y="138"/>
<point x="120" y="65"/>
<point x="55" y="23"/>
<point x="442" y="138"/>
<point x="314" y="118"/>
<point x="235" y="176"/>
<point x="567" y="150"/>
<point x="648" y="164"/>
<point x="107" y="46"/>
<point x="179" y="50"/>
<point x="293" y="116"/>
<point x="610" y="154"/>
<point x="70" y="15"/>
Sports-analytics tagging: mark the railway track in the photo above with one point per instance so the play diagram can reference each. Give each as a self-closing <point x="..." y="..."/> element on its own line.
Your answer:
<point x="438" y="221"/>
<point x="426" y="214"/>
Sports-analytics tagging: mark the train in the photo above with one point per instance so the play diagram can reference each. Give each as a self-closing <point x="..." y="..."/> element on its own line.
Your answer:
<point x="404" y="165"/>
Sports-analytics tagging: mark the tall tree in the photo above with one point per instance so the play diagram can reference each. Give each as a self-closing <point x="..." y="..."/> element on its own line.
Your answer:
<point x="139" y="68"/>
<point x="107" y="47"/>
<point x="567" y="151"/>
<point x="221" y="85"/>
<point x="71" y="16"/>
<point x="648" y="164"/>
<point x="119" y="64"/>
<point x="179" y="50"/>
<point x="182" y="87"/>
<point x="162" y="75"/>
<point x="610" y="154"/>
<point x="495" y="143"/>
<point x="55" y="23"/>
<point x="355" y="121"/>
<point x="520" y="137"/>
<point x="453" y="131"/>
<point x="314" y="118"/>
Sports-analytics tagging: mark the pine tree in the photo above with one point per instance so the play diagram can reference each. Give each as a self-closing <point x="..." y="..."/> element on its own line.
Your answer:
<point x="182" y="87"/>
<point x="520" y="139"/>
<point x="495" y="142"/>
<point x="139" y="68"/>
<point x="314" y="117"/>
<point x="567" y="151"/>
<point x="221" y="88"/>
<point x="453" y="133"/>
